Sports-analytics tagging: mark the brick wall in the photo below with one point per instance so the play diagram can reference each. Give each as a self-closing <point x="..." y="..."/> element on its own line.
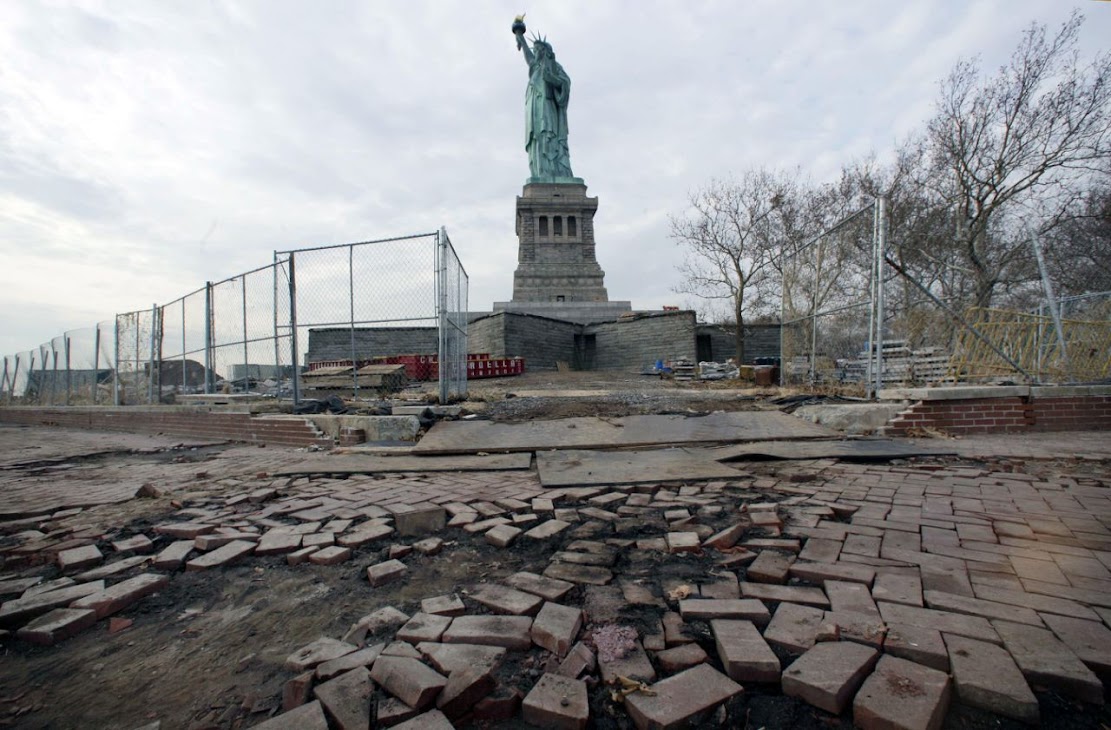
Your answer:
<point x="1072" y="413"/>
<point x="1041" y="409"/>
<point x="175" y="421"/>
<point x="630" y="344"/>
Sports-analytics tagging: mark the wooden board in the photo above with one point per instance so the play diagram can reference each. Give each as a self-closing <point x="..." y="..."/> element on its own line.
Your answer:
<point x="847" y="450"/>
<point x="584" y="468"/>
<point x="368" y="464"/>
<point x="464" y="437"/>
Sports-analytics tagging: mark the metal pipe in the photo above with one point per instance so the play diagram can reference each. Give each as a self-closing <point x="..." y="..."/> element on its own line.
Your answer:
<point x="351" y="318"/>
<point x="881" y="248"/>
<point x="209" y="355"/>
<point x="441" y="306"/>
<point x="1051" y="302"/>
<point x="246" y="357"/>
<point x="69" y="372"/>
<point x="154" y="338"/>
<point x="870" y="372"/>
<point x="293" y="331"/>
<point x="116" y="359"/>
<point x="96" y="365"/>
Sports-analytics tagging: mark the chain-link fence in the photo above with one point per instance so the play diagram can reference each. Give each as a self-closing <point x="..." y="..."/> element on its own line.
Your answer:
<point x="250" y="333"/>
<point x="856" y="316"/>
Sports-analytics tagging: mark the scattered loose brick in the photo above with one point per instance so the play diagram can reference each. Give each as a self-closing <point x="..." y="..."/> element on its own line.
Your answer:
<point x="819" y="572"/>
<point x="346" y="699"/>
<point x="682" y="700"/>
<point x="974" y="627"/>
<point x="634" y="664"/>
<point x="744" y="654"/>
<point x="429" y="546"/>
<point x="186" y="530"/>
<point x="298" y="557"/>
<point x="449" y="658"/>
<point x="306" y="717"/>
<point x="57" y="625"/>
<point x="443" y="606"/>
<point x="590" y="574"/>
<point x="384" y="618"/>
<point x="79" y="558"/>
<point x="502" y="535"/>
<point x="138" y="544"/>
<point x="557" y="702"/>
<point x="21" y="609"/>
<point x="679" y="658"/>
<point x="704" y="609"/>
<point x="322" y="650"/>
<point x="173" y="556"/>
<point x="122" y="594"/>
<point x="423" y="627"/>
<point x="795" y="627"/>
<point x="550" y="589"/>
<point x="501" y="599"/>
<point x="361" y="658"/>
<point x="556" y="627"/>
<point x="770" y="567"/>
<point x="987" y="677"/>
<point x="431" y="720"/>
<point x="548" y="529"/>
<point x="330" y="555"/>
<point x="464" y="688"/>
<point x="420" y="520"/>
<point x="364" y="534"/>
<point x="975" y="607"/>
<point x="511" y="632"/>
<point x="296" y="691"/>
<point x="805" y="595"/>
<point x="683" y="542"/>
<point x="902" y="694"/>
<point x="221" y="556"/>
<point x="386" y="572"/>
<point x="727" y="538"/>
<point x="828" y="674"/>
<point x="408" y="680"/>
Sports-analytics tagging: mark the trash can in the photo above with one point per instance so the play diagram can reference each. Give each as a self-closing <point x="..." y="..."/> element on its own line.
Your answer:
<point x="767" y="375"/>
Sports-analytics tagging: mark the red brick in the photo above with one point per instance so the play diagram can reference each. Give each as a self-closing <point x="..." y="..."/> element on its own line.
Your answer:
<point x="828" y="674"/>
<point x="902" y="694"/>
<point x="744" y="654"/>
<point x="57" y="625"/>
<point x="122" y="595"/>
<point x="557" y="702"/>
<point x="682" y="700"/>
<point x="408" y="680"/>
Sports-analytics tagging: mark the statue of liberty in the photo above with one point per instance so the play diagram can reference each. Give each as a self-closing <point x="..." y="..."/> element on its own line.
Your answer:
<point x="549" y="90"/>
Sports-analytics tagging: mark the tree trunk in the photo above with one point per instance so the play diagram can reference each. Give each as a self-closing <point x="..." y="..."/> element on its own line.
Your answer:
<point x="739" y="333"/>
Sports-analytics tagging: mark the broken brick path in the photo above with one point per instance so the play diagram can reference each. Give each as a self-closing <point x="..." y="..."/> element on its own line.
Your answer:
<point x="929" y="584"/>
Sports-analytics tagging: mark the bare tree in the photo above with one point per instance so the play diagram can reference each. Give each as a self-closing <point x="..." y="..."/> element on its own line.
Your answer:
<point x="732" y="233"/>
<point x="1016" y="146"/>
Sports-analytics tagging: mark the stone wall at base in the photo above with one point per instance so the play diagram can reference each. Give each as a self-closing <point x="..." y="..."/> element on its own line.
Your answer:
<point x="189" y="422"/>
<point x="761" y="340"/>
<point x="639" y="341"/>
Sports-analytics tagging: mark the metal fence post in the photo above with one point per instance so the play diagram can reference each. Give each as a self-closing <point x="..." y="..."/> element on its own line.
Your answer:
<point x="209" y="355"/>
<point x="441" y="305"/>
<point x="293" y="330"/>
<point x="116" y="359"/>
<point x="69" y="374"/>
<point x="274" y="311"/>
<point x="881" y="254"/>
<point x="351" y="317"/>
<point x="96" y="365"/>
<point x="1051" y="302"/>
<point x="151" y="359"/>
<point x="246" y="356"/>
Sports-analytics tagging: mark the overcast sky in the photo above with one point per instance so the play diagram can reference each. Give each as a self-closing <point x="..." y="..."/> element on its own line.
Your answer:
<point x="146" y="147"/>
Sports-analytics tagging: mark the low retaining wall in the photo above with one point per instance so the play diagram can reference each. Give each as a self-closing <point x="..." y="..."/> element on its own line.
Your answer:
<point x="191" y="422"/>
<point x="1002" y="409"/>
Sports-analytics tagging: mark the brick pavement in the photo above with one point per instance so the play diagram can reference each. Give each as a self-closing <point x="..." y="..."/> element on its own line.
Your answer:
<point x="917" y="560"/>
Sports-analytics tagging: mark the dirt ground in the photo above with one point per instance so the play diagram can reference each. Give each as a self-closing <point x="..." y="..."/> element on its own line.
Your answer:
<point x="207" y="651"/>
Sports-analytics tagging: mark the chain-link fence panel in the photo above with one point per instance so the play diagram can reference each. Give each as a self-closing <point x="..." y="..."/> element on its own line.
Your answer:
<point x="826" y="303"/>
<point x="135" y="342"/>
<point x="452" y="293"/>
<point x="360" y="310"/>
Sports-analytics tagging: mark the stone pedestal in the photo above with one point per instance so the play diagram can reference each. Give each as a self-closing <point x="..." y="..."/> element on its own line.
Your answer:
<point x="557" y="270"/>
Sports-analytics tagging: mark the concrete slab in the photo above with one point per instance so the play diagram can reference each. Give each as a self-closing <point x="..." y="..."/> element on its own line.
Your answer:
<point x="582" y="468"/>
<point x="368" y="464"/>
<point x="464" y="437"/>
<point x="847" y="450"/>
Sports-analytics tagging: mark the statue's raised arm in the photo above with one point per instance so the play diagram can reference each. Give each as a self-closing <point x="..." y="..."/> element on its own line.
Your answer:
<point x="546" y="99"/>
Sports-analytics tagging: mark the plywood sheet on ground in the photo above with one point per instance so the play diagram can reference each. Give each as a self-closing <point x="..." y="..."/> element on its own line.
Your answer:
<point x="464" y="437"/>
<point x="851" y="450"/>
<point x="573" y="468"/>
<point x="367" y="464"/>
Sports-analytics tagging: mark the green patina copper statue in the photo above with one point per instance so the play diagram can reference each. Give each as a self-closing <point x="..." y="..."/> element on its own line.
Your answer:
<point x="549" y="90"/>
